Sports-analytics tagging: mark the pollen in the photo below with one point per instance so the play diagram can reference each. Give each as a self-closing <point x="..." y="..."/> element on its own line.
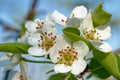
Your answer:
<point x="67" y="56"/>
<point x="92" y="35"/>
<point x="47" y="41"/>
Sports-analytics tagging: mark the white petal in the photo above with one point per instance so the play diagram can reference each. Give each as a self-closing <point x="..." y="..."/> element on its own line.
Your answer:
<point x="104" y="32"/>
<point x="31" y="26"/>
<point x="37" y="20"/>
<point x="79" y="12"/>
<point x="15" y="59"/>
<point x="24" y="69"/>
<point x="34" y="39"/>
<point x="102" y="46"/>
<point x="24" y="38"/>
<point x="48" y="17"/>
<point x="36" y="51"/>
<point x="61" y="68"/>
<point x="78" y="66"/>
<point x="87" y="23"/>
<point x="61" y="43"/>
<point x="54" y="54"/>
<point x="81" y="48"/>
<point x="49" y="27"/>
<point x="73" y="22"/>
<point x="59" y="18"/>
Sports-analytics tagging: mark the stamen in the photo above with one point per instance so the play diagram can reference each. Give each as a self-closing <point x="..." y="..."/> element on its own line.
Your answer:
<point x="42" y="23"/>
<point x="62" y="20"/>
<point x="46" y="33"/>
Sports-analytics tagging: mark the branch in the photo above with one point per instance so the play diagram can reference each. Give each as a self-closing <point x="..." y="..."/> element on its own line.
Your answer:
<point x="32" y="11"/>
<point x="117" y="51"/>
<point x="8" y="27"/>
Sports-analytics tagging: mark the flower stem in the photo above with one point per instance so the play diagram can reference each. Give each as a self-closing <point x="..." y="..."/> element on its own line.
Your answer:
<point x="82" y="78"/>
<point x="32" y="61"/>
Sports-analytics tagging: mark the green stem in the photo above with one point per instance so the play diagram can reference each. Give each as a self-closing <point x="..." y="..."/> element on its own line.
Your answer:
<point x="68" y="76"/>
<point x="50" y="71"/>
<point x="32" y="61"/>
<point x="82" y="77"/>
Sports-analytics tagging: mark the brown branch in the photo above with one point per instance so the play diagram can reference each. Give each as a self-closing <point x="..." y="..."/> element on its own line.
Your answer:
<point x="30" y="16"/>
<point x="32" y="11"/>
<point x="7" y="27"/>
<point x="117" y="51"/>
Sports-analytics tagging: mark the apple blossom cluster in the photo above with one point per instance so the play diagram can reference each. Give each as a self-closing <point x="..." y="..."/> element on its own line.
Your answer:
<point x="44" y="40"/>
<point x="68" y="57"/>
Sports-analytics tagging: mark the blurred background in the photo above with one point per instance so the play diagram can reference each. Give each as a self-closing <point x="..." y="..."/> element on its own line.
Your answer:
<point x="14" y="13"/>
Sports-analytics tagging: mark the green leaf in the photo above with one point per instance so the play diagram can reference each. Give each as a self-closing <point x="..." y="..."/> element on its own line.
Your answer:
<point x="100" y="16"/>
<point x="108" y="61"/>
<point x="15" y="47"/>
<point x="118" y="60"/>
<point x="97" y="70"/>
<point x="70" y="76"/>
<point x="23" y="29"/>
<point x="74" y="37"/>
<point x="57" y="77"/>
<point x="72" y="30"/>
<point x="61" y="76"/>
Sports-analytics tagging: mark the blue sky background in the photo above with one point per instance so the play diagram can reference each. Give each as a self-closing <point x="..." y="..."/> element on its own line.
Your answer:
<point x="13" y="12"/>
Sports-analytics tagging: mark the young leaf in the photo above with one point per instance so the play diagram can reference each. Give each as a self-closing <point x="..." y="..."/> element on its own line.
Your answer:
<point x="70" y="76"/>
<point x="100" y="16"/>
<point x="74" y="37"/>
<point x="15" y="47"/>
<point x="118" y="60"/>
<point x="97" y="70"/>
<point x="108" y="61"/>
<point x="72" y="30"/>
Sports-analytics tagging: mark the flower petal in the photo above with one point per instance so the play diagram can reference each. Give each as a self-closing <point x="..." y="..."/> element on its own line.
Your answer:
<point x="36" y="51"/>
<point x="61" y="68"/>
<point x="31" y="26"/>
<point x="24" y="69"/>
<point x="79" y="12"/>
<point x="78" y="66"/>
<point x="104" y="32"/>
<point x="81" y="48"/>
<point x="48" y="17"/>
<point x="59" y="18"/>
<point x="34" y="39"/>
<point x="102" y="46"/>
<point x="73" y="22"/>
<point x="87" y="24"/>
<point x="49" y="27"/>
<point x="61" y="43"/>
<point x="24" y="38"/>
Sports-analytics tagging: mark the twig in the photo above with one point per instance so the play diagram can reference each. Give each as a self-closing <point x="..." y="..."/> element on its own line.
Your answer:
<point x="32" y="61"/>
<point x="8" y="27"/>
<point x="117" y="51"/>
<point x="32" y="11"/>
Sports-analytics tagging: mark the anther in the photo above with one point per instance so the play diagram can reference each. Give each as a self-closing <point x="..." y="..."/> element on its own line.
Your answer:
<point x="62" y="20"/>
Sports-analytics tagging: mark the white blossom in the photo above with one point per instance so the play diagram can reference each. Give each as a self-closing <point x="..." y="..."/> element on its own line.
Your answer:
<point x="75" y="18"/>
<point x="68" y="58"/>
<point x="96" y="35"/>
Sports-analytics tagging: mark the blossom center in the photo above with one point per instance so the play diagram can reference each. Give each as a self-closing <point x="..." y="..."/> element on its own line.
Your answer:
<point x="47" y="42"/>
<point x="67" y="56"/>
<point x="39" y="24"/>
<point x="92" y="35"/>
